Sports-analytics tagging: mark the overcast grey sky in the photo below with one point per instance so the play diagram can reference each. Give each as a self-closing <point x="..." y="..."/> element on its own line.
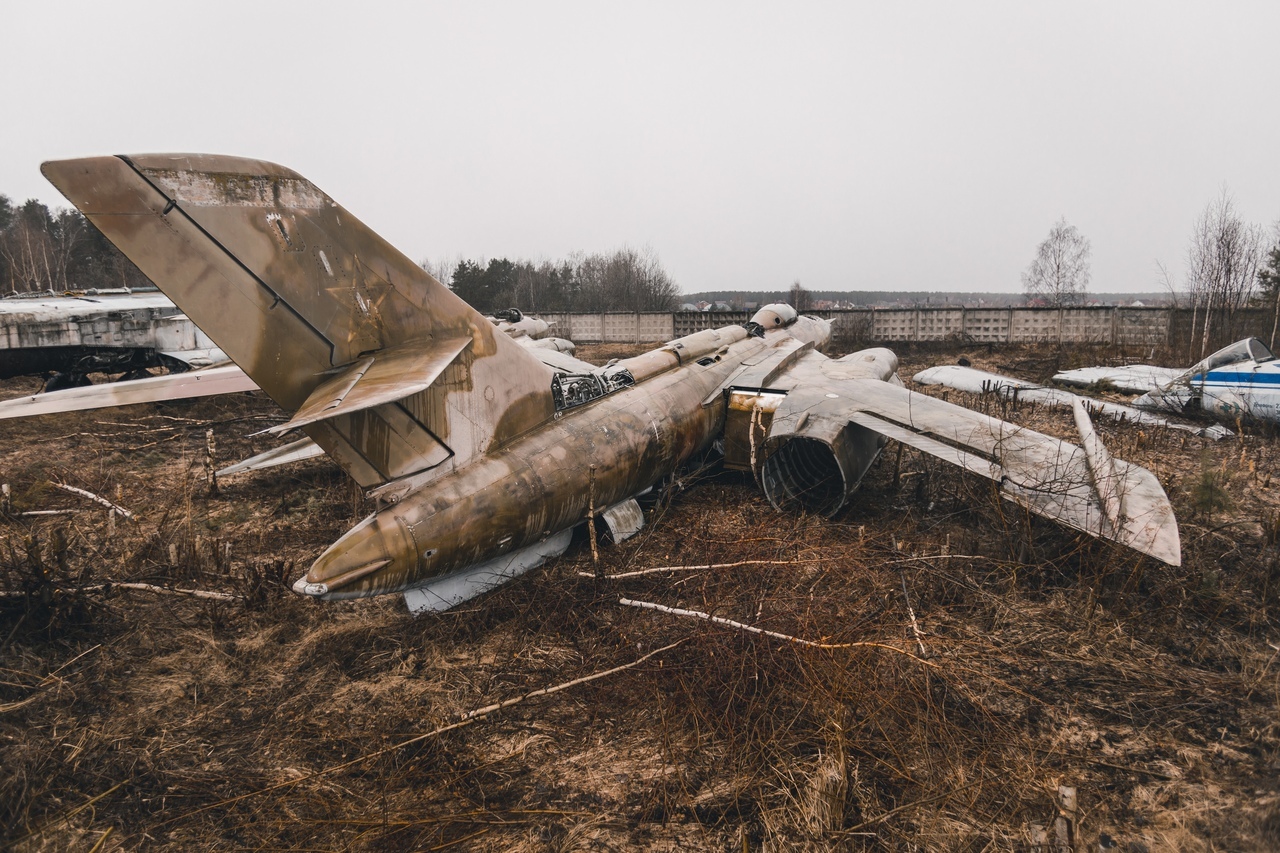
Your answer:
<point x="904" y="146"/>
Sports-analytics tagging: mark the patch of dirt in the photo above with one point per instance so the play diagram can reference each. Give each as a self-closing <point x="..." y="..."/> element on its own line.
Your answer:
<point x="140" y="719"/>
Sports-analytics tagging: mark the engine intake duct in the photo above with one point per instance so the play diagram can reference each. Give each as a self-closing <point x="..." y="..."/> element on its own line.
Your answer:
<point x="815" y="463"/>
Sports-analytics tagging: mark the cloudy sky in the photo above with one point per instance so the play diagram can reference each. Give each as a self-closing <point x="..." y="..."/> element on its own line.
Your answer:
<point x="905" y="146"/>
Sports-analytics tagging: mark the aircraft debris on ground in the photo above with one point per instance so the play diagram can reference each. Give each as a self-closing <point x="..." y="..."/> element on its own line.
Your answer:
<point x="1128" y="379"/>
<point x="974" y="381"/>
<point x="483" y="459"/>
<point x="1240" y="380"/>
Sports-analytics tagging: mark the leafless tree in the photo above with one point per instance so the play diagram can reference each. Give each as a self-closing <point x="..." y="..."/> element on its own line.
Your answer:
<point x="28" y="249"/>
<point x="626" y="280"/>
<point x="799" y="297"/>
<point x="1060" y="273"/>
<point x="1222" y="267"/>
<point x="1269" y="281"/>
<point x="441" y="268"/>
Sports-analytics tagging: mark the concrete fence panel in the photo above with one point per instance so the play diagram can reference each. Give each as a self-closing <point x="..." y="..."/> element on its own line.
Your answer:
<point x="1125" y="326"/>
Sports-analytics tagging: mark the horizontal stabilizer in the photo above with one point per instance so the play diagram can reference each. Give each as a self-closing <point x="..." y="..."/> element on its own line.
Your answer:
<point x="294" y="451"/>
<point x="385" y="377"/>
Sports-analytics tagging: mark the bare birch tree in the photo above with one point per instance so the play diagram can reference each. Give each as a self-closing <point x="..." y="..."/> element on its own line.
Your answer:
<point x="799" y="297"/>
<point x="1060" y="273"/>
<point x="1222" y="267"/>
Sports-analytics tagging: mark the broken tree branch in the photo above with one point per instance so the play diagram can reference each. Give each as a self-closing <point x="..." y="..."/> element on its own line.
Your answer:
<point x="742" y="626"/>
<point x="96" y="499"/>
<point x="657" y="569"/>
<point x="911" y="611"/>
<point x="141" y="587"/>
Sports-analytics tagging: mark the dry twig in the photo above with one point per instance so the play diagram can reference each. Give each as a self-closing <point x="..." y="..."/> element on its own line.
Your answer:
<point x="96" y="499"/>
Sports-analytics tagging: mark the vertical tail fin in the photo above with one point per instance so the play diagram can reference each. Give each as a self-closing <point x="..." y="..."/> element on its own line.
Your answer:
<point x="322" y="313"/>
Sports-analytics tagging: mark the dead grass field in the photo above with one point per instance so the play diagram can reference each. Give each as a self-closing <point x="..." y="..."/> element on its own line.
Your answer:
<point x="132" y="719"/>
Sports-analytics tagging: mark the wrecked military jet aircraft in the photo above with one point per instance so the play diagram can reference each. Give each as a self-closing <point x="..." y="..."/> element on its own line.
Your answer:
<point x="529" y="331"/>
<point x="482" y="459"/>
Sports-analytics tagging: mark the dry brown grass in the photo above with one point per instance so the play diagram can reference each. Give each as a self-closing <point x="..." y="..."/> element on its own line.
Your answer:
<point x="276" y="723"/>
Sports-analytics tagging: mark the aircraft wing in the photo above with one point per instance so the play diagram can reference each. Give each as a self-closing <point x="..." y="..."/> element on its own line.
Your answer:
<point x="1081" y="487"/>
<point x="197" y="383"/>
<point x="1133" y="378"/>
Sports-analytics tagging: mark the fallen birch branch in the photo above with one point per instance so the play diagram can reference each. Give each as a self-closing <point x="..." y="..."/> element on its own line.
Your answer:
<point x="911" y="611"/>
<point x="142" y="587"/>
<point x="742" y="626"/>
<point x="924" y="558"/>
<point x="657" y="569"/>
<point x="96" y="499"/>
<point x="466" y="720"/>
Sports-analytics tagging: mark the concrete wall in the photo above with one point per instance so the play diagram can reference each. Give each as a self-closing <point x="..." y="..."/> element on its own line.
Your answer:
<point x="615" y="327"/>
<point x="863" y="326"/>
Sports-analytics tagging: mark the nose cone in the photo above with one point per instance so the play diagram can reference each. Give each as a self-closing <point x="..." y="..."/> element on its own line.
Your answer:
<point x="378" y="544"/>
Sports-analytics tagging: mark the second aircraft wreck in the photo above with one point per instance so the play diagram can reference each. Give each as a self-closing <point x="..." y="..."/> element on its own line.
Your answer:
<point x="1240" y="380"/>
<point x="483" y="458"/>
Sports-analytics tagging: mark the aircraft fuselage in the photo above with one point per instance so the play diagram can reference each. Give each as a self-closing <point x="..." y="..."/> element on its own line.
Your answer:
<point x="544" y="482"/>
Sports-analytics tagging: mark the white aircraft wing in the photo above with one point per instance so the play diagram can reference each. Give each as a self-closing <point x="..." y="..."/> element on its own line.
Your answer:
<point x="1131" y="379"/>
<point x="197" y="383"/>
